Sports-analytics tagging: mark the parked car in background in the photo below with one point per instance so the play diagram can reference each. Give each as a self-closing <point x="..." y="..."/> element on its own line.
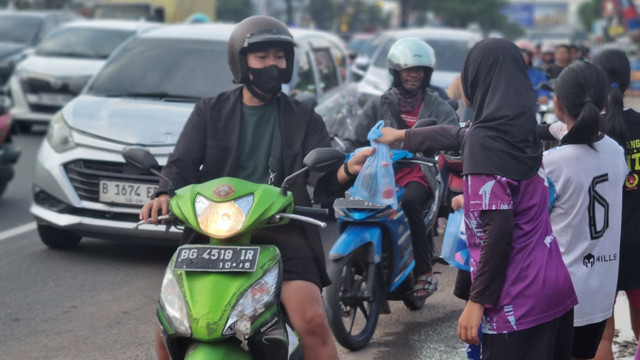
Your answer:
<point x="62" y="64"/>
<point x="22" y="30"/>
<point x="142" y="96"/>
<point x="450" y="46"/>
<point x="359" y="42"/>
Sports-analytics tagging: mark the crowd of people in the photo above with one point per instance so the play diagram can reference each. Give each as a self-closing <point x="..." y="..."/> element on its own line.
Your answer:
<point x="544" y="275"/>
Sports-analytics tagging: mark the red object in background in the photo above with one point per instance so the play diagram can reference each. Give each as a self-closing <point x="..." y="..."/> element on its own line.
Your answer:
<point x="609" y="8"/>
<point x="5" y="126"/>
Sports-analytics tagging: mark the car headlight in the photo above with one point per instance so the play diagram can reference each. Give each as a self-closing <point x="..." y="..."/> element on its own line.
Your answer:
<point x="254" y="302"/>
<point x="173" y="304"/>
<point x="222" y="219"/>
<point x="59" y="134"/>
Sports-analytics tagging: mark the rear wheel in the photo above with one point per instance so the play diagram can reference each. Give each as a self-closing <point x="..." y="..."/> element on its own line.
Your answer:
<point x="353" y="312"/>
<point x="57" y="238"/>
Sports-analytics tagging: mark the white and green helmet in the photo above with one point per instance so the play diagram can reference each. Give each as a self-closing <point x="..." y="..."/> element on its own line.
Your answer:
<point x="411" y="52"/>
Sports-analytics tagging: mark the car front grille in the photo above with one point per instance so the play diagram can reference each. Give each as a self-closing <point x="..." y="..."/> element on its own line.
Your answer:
<point x="36" y="86"/>
<point x="85" y="176"/>
<point x="33" y="88"/>
<point x="44" y="108"/>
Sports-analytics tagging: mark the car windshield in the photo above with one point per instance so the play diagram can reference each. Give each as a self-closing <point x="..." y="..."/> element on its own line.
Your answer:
<point x="450" y="54"/>
<point x="166" y="69"/>
<point x="84" y="43"/>
<point x="19" y="29"/>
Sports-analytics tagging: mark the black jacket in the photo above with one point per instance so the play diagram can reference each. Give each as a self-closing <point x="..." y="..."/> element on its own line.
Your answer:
<point x="207" y="149"/>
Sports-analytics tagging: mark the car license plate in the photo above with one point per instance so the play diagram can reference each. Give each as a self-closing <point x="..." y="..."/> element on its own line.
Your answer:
<point x="121" y="192"/>
<point x="50" y="99"/>
<point x="217" y="258"/>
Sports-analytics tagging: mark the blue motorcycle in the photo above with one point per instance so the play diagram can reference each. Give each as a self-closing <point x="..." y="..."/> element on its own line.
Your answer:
<point x="371" y="263"/>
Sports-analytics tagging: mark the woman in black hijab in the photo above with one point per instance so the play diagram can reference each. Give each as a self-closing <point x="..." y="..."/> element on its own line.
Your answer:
<point x="521" y="291"/>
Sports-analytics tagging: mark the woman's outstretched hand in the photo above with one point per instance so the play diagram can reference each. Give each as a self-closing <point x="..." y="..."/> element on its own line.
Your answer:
<point x="390" y="135"/>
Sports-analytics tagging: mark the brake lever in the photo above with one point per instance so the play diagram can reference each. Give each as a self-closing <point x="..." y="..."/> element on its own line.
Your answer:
<point x="161" y="217"/>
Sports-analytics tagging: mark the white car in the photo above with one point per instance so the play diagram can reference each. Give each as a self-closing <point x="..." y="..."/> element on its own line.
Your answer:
<point x="61" y="65"/>
<point x="143" y="96"/>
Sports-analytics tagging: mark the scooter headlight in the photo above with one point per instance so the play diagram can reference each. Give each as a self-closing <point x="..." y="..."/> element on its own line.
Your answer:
<point x="173" y="304"/>
<point x="255" y="300"/>
<point x="222" y="219"/>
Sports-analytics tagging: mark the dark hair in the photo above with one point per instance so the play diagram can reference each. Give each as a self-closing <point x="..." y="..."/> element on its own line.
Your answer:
<point x="565" y="46"/>
<point x="616" y="64"/>
<point x="582" y="88"/>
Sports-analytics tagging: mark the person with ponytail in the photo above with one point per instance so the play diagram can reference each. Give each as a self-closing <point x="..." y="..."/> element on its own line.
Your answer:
<point x="588" y="170"/>
<point x="623" y="125"/>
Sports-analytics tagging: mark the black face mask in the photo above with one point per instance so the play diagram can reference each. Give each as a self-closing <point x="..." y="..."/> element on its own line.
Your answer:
<point x="268" y="79"/>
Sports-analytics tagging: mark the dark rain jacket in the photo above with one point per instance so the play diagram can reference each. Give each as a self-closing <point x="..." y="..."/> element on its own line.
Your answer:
<point x="386" y="108"/>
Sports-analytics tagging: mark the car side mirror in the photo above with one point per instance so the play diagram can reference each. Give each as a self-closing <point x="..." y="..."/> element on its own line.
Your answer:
<point x="361" y="62"/>
<point x="324" y="159"/>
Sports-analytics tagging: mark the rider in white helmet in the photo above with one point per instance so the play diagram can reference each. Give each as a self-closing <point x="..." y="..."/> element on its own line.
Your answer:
<point x="411" y="63"/>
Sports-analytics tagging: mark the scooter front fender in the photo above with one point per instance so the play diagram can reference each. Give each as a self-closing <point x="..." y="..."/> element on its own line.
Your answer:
<point x="218" y="350"/>
<point x="355" y="236"/>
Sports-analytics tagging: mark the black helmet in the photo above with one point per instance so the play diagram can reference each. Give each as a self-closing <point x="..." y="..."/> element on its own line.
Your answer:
<point x="256" y="33"/>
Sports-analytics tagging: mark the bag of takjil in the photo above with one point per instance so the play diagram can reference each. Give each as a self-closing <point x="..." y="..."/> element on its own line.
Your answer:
<point x="376" y="181"/>
<point x="454" y="243"/>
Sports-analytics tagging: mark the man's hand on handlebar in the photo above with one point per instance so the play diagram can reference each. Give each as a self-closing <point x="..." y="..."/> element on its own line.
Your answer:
<point x="155" y="207"/>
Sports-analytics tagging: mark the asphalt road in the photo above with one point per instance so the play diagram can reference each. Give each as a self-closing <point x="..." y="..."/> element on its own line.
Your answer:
<point x="98" y="301"/>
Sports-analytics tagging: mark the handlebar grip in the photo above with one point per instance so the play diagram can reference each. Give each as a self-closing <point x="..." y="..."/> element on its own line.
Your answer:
<point x="311" y="211"/>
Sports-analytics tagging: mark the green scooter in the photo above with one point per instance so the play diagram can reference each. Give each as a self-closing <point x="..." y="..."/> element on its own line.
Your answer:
<point x="222" y="300"/>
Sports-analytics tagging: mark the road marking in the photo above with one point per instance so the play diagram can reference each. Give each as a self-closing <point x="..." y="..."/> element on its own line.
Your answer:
<point x="17" y="230"/>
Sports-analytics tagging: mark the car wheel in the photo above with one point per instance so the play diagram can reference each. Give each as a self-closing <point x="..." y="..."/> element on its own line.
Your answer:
<point x="57" y="238"/>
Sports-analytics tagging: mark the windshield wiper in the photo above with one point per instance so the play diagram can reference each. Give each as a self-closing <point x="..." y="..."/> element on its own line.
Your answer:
<point x="73" y="55"/>
<point x="165" y="96"/>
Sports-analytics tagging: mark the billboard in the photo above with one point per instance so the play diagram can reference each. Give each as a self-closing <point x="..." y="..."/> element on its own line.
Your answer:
<point x="537" y="14"/>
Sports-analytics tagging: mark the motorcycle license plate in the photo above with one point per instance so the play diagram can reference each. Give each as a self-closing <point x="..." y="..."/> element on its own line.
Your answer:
<point x="217" y="258"/>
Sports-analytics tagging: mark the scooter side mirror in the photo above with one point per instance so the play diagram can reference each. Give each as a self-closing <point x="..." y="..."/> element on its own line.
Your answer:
<point x="140" y="158"/>
<point x="324" y="159"/>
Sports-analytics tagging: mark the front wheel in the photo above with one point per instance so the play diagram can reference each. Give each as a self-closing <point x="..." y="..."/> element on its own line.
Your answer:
<point x="353" y="312"/>
<point x="57" y="238"/>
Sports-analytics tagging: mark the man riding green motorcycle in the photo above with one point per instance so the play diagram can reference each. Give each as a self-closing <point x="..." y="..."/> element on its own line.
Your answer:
<point x="257" y="133"/>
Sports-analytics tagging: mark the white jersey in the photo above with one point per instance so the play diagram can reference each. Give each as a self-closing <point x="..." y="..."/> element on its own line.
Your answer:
<point x="585" y="218"/>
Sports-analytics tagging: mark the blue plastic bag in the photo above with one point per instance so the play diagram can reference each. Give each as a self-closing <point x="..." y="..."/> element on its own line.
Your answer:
<point x="376" y="181"/>
<point x="451" y="236"/>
